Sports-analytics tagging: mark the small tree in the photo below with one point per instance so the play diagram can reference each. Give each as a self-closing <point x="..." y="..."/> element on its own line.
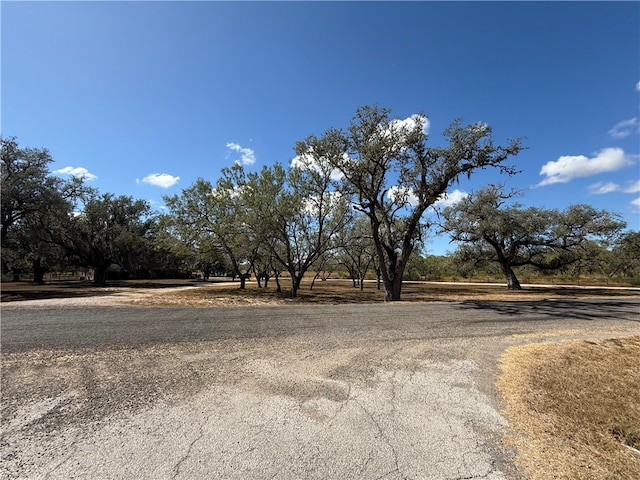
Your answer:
<point x="214" y="219"/>
<point x="356" y="251"/>
<point x="298" y="210"/>
<point x="491" y="230"/>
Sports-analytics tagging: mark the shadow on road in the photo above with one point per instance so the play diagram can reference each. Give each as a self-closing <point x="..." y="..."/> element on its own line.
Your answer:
<point x="584" y="310"/>
<point x="19" y="291"/>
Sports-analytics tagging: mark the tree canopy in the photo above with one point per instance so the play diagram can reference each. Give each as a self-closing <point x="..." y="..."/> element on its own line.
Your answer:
<point x="351" y="199"/>
<point x="394" y="176"/>
<point x="110" y="230"/>
<point x="492" y="230"/>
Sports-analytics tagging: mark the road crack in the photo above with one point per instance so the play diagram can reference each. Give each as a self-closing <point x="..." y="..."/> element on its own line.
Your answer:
<point x="180" y="462"/>
<point x="384" y="437"/>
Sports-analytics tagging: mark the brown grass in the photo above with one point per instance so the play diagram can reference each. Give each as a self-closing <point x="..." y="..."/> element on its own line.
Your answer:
<point x="574" y="408"/>
<point x="328" y="292"/>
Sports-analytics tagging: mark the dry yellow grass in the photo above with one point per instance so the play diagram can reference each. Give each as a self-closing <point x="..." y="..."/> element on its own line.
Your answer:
<point x="574" y="408"/>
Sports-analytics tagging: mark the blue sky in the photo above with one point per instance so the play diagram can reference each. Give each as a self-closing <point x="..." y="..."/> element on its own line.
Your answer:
<point x="145" y="97"/>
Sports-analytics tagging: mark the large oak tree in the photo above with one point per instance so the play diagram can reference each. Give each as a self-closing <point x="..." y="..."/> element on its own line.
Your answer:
<point x="35" y="209"/>
<point x="491" y="229"/>
<point x="111" y="230"/>
<point x="394" y="176"/>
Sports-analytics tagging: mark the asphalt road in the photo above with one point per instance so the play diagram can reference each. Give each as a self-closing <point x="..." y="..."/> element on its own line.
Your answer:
<point x="375" y="391"/>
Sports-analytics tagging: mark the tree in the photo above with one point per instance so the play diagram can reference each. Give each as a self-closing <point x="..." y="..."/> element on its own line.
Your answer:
<point x="298" y="210"/>
<point x="33" y="241"/>
<point x="35" y="209"/>
<point x="494" y="231"/>
<point x="26" y="183"/>
<point x="177" y="255"/>
<point x="626" y="255"/>
<point x="110" y="230"/>
<point x="214" y="217"/>
<point x="394" y="177"/>
<point x="356" y="251"/>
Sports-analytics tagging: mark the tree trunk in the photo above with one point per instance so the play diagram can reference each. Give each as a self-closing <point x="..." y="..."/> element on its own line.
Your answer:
<point x="313" y="282"/>
<point x="100" y="276"/>
<point x="258" y="276"/>
<point x="295" y="284"/>
<point x="243" y="281"/>
<point x="392" y="277"/>
<point x="393" y="289"/>
<point x="38" y="271"/>
<point x="505" y="264"/>
<point x="278" y="286"/>
<point x="361" y="282"/>
<point x="512" y="280"/>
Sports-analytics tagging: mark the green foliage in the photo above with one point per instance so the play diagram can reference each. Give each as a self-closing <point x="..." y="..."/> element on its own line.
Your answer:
<point x="351" y="199"/>
<point x="111" y="230"/>
<point x="27" y="185"/>
<point x="394" y="176"/>
<point x="298" y="212"/>
<point x="493" y="231"/>
<point x="213" y="226"/>
<point x="625" y="257"/>
<point x="35" y="210"/>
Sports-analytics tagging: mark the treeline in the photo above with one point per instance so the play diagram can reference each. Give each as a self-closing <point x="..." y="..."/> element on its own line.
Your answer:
<point x="352" y="201"/>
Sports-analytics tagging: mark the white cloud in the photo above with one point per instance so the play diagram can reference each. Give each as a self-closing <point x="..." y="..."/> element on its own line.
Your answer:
<point x="602" y="187"/>
<point x="566" y="168"/>
<point x="330" y="201"/>
<point x="633" y="187"/>
<point x="396" y="126"/>
<point x="412" y="122"/>
<point x="450" y="199"/>
<point x="247" y="156"/>
<point x="233" y="192"/>
<point x="638" y="86"/>
<point x="399" y="194"/>
<point x="308" y="162"/>
<point x="625" y="128"/>
<point x="163" y="180"/>
<point x="636" y="204"/>
<point x="403" y="195"/>
<point x="78" y="172"/>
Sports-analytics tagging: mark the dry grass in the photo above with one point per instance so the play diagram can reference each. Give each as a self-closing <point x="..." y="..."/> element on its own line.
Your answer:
<point x="573" y="407"/>
<point x="163" y="292"/>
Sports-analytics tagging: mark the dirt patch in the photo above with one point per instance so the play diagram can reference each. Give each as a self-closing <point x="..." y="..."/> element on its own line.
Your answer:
<point x="574" y="408"/>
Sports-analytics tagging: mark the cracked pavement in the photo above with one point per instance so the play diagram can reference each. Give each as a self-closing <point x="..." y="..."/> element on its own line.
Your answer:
<point x="370" y="391"/>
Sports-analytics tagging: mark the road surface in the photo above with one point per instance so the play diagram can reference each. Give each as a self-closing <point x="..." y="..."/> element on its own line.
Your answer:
<point x="393" y="391"/>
